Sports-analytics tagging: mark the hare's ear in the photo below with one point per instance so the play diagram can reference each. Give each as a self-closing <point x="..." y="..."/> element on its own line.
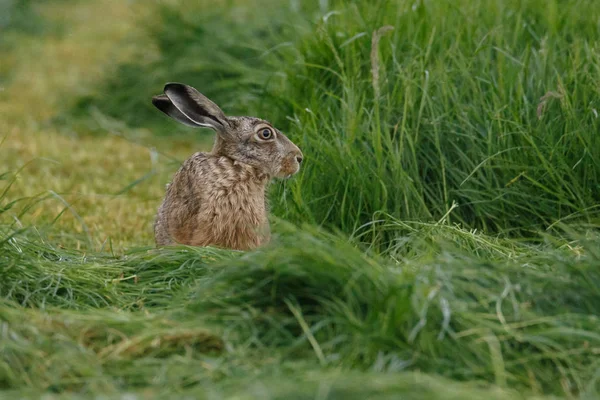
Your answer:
<point x="163" y="103"/>
<point x="196" y="107"/>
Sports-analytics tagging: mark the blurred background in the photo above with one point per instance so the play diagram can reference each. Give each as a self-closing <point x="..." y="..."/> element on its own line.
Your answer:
<point x="77" y="78"/>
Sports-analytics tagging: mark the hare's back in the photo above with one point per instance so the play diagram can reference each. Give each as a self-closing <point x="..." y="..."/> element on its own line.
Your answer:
<point x="185" y="197"/>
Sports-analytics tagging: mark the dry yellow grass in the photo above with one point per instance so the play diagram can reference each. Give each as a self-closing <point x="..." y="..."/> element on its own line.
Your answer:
<point x="86" y="173"/>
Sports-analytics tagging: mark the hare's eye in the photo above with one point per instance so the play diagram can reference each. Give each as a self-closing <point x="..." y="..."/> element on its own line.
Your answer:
<point x="265" y="134"/>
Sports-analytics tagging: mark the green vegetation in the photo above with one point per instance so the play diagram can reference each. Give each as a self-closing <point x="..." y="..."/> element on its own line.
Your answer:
<point x="440" y="242"/>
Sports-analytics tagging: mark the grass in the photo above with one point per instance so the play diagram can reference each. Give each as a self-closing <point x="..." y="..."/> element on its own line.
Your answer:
<point x="440" y="242"/>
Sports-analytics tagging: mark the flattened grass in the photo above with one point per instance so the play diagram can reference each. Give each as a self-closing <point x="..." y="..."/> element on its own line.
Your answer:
<point x="528" y="322"/>
<point x="519" y="323"/>
<point x="67" y="351"/>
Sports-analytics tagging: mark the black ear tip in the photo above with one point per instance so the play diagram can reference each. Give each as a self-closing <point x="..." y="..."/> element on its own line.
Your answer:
<point x="174" y="86"/>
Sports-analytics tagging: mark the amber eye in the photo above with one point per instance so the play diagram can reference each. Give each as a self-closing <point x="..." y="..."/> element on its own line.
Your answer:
<point x="265" y="134"/>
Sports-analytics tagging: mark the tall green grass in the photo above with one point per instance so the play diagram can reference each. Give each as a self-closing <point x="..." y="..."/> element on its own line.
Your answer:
<point x="491" y="107"/>
<point x="441" y="240"/>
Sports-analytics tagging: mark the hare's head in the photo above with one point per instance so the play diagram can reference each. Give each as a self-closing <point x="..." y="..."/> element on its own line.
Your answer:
<point x="250" y="140"/>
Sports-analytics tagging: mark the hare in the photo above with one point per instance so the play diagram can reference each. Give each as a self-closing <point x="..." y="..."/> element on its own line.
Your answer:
<point x="219" y="198"/>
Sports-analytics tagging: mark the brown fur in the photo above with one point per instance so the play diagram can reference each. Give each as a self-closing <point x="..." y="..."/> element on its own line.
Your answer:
<point x="219" y="198"/>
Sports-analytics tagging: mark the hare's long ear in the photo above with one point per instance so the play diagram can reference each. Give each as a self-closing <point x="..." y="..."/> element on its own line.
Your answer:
<point x="196" y="107"/>
<point x="163" y="103"/>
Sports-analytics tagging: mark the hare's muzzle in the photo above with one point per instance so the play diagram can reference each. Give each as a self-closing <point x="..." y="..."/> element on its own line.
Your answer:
<point x="291" y="162"/>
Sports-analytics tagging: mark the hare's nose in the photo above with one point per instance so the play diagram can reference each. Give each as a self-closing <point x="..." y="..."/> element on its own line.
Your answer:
<point x="299" y="159"/>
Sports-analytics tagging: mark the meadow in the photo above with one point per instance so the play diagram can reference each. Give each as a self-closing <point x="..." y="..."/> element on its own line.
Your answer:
<point x="441" y="240"/>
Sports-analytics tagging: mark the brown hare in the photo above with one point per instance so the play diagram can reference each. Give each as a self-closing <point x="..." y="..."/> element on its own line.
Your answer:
<point x="219" y="198"/>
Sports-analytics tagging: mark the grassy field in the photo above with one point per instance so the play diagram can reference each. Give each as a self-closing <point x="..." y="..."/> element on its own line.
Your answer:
<point x="440" y="242"/>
